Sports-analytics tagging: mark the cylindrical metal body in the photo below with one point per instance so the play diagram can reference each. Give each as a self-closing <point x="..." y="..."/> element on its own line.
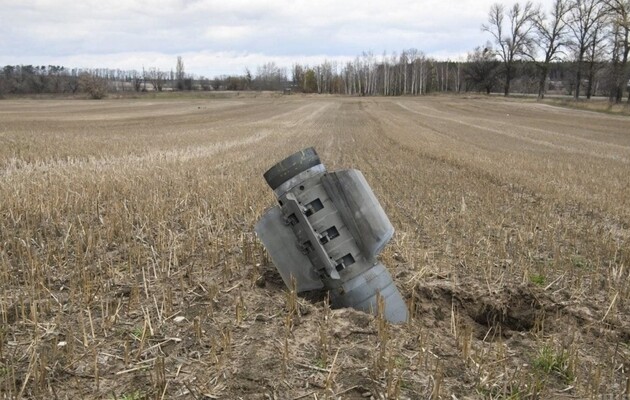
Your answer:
<point x="354" y="279"/>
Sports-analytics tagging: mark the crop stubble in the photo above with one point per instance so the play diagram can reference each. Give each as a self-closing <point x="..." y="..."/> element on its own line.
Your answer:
<point x="128" y="265"/>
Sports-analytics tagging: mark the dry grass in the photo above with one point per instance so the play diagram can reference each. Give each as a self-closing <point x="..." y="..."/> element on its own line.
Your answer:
<point x="128" y="266"/>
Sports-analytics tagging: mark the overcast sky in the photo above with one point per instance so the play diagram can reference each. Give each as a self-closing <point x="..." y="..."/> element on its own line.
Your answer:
<point x="221" y="37"/>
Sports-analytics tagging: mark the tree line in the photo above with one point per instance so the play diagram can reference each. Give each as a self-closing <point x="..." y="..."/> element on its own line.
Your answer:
<point x="410" y="73"/>
<point x="592" y="34"/>
<point x="97" y="82"/>
<point x="577" y="47"/>
<point x="29" y="79"/>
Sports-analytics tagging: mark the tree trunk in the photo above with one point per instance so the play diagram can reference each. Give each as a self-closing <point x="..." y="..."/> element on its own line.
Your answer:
<point x="624" y="65"/>
<point x="613" y="96"/>
<point x="543" y="81"/>
<point x="508" y="78"/>
<point x="578" y="82"/>
<point x="506" y="91"/>
<point x="591" y="77"/>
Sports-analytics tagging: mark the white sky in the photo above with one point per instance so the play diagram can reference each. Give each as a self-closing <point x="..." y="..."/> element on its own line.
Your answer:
<point x="221" y="37"/>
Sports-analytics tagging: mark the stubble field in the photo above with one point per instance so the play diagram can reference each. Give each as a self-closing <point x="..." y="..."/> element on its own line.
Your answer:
<point x="129" y="268"/>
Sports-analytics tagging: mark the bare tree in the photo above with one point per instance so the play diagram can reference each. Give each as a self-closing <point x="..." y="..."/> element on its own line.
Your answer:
<point x="349" y="79"/>
<point x="270" y="77"/>
<point x="386" y="75"/>
<point x="248" y="79"/>
<point x="297" y="73"/>
<point x="583" y="18"/>
<point x="515" y="40"/>
<point x="481" y="69"/>
<point x="156" y="77"/>
<point x="369" y="73"/>
<point x="136" y="81"/>
<point x="551" y="36"/>
<point x="620" y="34"/>
<point x="179" y="73"/>
<point x="326" y="71"/>
<point x="595" y="54"/>
<point x="93" y="85"/>
<point x="403" y="64"/>
<point x="418" y="71"/>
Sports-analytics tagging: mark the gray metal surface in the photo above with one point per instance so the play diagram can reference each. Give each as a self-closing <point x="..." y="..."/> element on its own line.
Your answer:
<point x="359" y="209"/>
<point x="281" y="245"/>
<point x="291" y="166"/>
<point x="311" y="237"/>
<point x="327" y="232"/>
<point x="362" y="294"/>
<point x="298" y="179"/>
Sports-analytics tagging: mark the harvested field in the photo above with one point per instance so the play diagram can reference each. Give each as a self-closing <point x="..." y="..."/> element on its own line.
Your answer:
<point x="129" y="268"/>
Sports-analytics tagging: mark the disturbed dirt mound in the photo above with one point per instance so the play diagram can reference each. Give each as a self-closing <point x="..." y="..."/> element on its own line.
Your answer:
<point x="555" y="335"/>
<point x="505" y="309"/>
<point x="515" y="309"/>
<point x="512" y="308"/>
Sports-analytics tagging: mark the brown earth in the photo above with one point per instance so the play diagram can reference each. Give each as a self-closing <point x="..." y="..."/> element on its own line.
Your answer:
<point x="128" y="266"/>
